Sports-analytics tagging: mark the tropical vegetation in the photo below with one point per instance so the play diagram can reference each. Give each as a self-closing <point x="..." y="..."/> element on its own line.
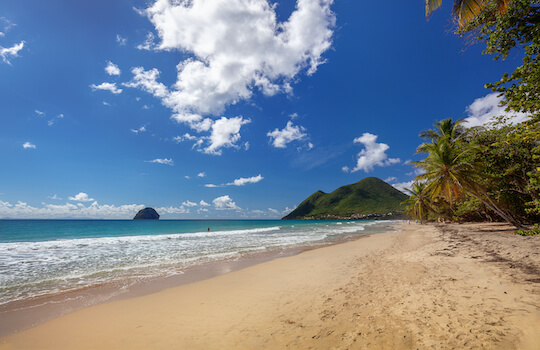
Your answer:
<point x="483" y="173"/>
<point x="370" y="197"/>
<point x="490" y="172"/>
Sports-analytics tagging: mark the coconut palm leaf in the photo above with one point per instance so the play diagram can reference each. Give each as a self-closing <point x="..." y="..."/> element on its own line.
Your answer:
<point x="466" y="10"/>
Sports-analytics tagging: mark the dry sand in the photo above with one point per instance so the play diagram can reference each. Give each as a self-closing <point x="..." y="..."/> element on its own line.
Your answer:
<point x="473" y="286"/>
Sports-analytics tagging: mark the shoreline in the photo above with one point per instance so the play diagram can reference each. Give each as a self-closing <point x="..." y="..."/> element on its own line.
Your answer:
<point x="19" y="316"/>
<point x="427" y="286"/>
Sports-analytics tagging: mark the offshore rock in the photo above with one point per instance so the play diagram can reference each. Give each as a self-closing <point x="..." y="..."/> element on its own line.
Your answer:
<point x="147" y="214"/>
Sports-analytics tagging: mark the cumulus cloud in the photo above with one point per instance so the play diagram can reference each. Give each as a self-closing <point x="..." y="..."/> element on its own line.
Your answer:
<point x="172" y="210"/>
<point x="112" y="69"/>
<point x="483" y="111"/>
<point x="237" y="47"/>
<point x="373" y="154"/>
<point x="390" y="179"/>
<point x="107" y="87"/>
<point x="55" y="197"/>
<point x="38" y="112"/>
<point x="225" y="203"/>
<point x="246" y="180"/>
<point x="21" y="210"/>
<point x="203" y="204"/>
<point x="189" y="204"/>
<point x="290" y="133"/>
<point x="81" y="197"/>
<point x="8" y="53"/>
<point x="225" y="133"/>
<point x="166" y="161"/>
<point x="28" y="145"/>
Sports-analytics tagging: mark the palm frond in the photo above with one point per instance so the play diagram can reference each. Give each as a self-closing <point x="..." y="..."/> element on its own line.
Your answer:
<point x="432" y="5"/>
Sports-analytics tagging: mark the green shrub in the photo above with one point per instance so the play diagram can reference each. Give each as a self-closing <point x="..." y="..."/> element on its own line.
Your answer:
<point x="532" y="232"/>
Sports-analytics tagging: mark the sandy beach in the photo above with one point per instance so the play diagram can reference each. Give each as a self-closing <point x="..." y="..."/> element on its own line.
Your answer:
<point x="471" y="286"/>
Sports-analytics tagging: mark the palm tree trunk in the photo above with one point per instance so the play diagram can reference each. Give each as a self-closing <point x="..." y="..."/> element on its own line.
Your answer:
<point x="505" y="216"/>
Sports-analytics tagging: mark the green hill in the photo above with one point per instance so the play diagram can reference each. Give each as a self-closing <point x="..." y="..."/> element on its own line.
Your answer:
<point x="368" y="197"/>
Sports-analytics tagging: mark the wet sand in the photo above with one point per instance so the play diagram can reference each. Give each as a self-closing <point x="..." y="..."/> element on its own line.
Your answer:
<point x="425" y="287"/>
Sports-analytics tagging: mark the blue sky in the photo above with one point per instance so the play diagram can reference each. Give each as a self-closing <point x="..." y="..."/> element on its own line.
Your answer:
<point x="221" y="109"/>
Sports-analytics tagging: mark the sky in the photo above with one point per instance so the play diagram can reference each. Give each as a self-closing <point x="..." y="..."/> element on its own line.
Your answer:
<point x="236" y="109"/>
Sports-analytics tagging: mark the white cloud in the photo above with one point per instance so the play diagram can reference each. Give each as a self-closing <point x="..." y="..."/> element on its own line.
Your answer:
<point x="225" y="203"/>
<point x="403" y="185"/>
<point x="185" y="137"/>
<point x="288" y="134"/>
<point x="172" y="210"/>
<point x="11" y="52"/>
<point x="390" y="179"/>
<point x="39" y="112"/>
<point x="149" y="43"/>
<point x="189" y="204"/>
<point x="54" y="197"/>
<point x="237" y="46"/>
<point x="81" y="197"/>
<point x="203" y="204"/>
<point x="120" y="40"/>
<point x="141" y="129"/>
<point x="147" y="81"/>
<point x="246" y="180"/>
<point x="483" y="111"/>
<point x="187" y="177"/>
<point x="203" y="174"/>
<point x="238" y="182"/>
<point x="112" y="69"/>
<point x="27" y="145"/>
<point x="374" y="154"/>
<point x="22" y="210"/>
<point x="225" y="133"/>
<point x="166" y="161"/>
<point x="52" y="121"/>
<point x="107" y="87"/>
<point x="273" y="211"/>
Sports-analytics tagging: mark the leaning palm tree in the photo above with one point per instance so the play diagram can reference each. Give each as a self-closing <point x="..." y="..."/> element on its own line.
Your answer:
<point x="449" y="175"/>
<point x="466" y="10"/>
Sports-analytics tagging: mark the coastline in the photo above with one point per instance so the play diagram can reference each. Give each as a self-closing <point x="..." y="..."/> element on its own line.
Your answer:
<point x="18" y="316"/>
<point x="447" y="286"/>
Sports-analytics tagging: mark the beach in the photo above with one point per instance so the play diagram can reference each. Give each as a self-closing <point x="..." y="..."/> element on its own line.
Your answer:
<point x="470" y="286"/>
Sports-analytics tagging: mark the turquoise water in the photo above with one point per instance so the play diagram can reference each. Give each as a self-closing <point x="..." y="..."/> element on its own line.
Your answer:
<point x="47" y="257"/>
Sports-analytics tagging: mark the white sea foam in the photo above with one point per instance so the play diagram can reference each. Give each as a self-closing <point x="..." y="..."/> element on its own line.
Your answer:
<point x="30" y="269"/>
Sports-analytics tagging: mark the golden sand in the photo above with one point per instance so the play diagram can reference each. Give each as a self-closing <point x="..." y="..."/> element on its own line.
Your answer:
<point x="426" y="287"/>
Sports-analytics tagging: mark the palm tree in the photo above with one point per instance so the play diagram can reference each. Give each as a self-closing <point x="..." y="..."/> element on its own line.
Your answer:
<point x="466" y="10"/>
<point x="445" y="129"/>
<point x="449" y="175"/>
<point x="417" y="205"/>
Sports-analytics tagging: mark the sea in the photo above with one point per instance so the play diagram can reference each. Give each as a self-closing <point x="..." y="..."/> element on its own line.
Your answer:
<point x="41" y="258"/>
